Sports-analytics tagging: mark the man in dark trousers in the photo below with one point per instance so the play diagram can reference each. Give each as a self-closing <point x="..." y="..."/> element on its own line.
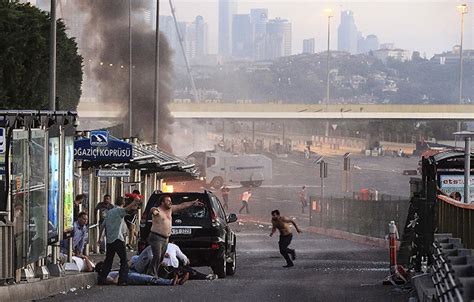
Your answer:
<point x="115" y="240"/>
<point x="283" y="225"/>
<point x="225" y="196"/>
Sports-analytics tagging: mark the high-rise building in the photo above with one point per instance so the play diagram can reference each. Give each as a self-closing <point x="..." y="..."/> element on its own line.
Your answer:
<point x="308" y="45"/>
<point x="227" y="8"/>
<point x="278" y="38"/>
<point x="347" y="38"/>
<point x="200" y="28"/>
<point x="259" y="20"/>
<point x="367" y="44"/>
<point x="371" y="43"/>
<point x="194" y="37"/>
<point x="242" y="36"/>
<point x="168" y="28"/>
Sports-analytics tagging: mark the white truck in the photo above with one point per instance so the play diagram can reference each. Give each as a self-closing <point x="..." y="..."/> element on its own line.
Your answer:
<point x="219" y="167"/>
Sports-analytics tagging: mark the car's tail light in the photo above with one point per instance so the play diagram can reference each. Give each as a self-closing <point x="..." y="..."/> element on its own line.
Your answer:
<point x="214" y="246"/>
<point x="213" y="216"/>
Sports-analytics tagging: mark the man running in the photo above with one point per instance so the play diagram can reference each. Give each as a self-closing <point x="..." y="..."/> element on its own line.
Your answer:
<point x="303" y="199"/>
<point x="245" y="197"/>
<point x="283" y="225"/>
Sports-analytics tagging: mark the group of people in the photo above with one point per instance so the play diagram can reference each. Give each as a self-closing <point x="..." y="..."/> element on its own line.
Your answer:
<point x="244" y="197"/>
<point x="162" y="262"/>
<point x="160" y="259"/>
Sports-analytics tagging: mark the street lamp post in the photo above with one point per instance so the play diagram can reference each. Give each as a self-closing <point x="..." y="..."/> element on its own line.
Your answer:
<point x="157" y="73"/>
<point x="52" y="58"/>
<point x="463" y="9"/>
<point x="328" y="12"/>
<point x="130" y="71"/>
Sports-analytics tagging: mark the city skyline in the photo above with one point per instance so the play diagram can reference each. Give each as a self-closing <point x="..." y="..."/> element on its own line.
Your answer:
<point x="421" y="29"/>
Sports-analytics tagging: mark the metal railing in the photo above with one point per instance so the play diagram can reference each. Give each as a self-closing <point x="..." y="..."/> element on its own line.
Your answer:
<point x="363" y="217"/>
<point x="456" y="218"/>
<point x="443" y="277"/>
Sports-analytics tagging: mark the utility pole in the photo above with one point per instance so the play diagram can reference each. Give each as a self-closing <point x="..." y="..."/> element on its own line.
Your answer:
<point x="130" y="87"/>
<point x="52" y="58"/>
<point x="157" y="73"/>
<point x="329" y="14"/>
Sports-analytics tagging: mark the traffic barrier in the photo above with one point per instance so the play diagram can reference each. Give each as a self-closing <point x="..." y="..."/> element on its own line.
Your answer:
<point x="397" y="273"/>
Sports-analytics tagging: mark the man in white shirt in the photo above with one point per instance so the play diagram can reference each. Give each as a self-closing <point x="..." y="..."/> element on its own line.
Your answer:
<point x="171" y="265"/>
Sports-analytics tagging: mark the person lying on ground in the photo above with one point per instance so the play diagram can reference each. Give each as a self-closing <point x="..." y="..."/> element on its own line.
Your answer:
<point x="134" y="278"/>
<point x="170" y="266"/>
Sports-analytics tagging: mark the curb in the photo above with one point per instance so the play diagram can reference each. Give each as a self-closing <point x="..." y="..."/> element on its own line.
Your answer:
<point x="46" y="288"/>
<point x="367" y="240"/>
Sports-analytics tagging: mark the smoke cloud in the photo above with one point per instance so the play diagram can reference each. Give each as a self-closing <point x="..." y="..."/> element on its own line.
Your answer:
<point x="106" y="44"/>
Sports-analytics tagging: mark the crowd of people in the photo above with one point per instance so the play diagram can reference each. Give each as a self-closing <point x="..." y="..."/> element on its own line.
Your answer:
<point x="161" y="263"/>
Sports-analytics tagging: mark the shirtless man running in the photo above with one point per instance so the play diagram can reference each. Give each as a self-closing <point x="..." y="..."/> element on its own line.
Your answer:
<point x="283" y="225"/>
<point x="161" y="228"/>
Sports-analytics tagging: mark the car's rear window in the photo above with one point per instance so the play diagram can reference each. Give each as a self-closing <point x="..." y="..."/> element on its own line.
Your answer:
<point x="192" y="212"/>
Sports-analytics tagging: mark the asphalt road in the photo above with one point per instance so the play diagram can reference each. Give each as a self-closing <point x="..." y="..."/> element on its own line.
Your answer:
<point x="326" y="269"/>
<point x="384" y="174"/>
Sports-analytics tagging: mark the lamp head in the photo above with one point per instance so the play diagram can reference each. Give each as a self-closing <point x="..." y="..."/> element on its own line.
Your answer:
<point x="328" y="12"/>
<point x="463" y="8"/>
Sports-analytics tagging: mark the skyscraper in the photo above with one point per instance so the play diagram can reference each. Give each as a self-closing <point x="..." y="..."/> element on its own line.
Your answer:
<point x="308" y="45"/>
<point x="371" y="43"/>
<point x="200" y="28"/>
<point x="259" y="20"/>
<point x="242" y="36"/>
<point x="278" y="38"/>
<point x="227" y="8"/>
<point x="347" y="37"/>
<point x="194" y="37"/>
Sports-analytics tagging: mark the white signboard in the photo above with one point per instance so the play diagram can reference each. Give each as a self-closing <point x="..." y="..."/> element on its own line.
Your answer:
<point x="451" y="184"/>
<point x="113" y="173"/>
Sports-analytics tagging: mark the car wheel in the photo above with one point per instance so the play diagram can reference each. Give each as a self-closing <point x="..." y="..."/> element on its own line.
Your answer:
<point x="232" y="265"/>
<point x="246" y="183"/>
<point x="220" y="266"/>
<point x="257" y="183"/>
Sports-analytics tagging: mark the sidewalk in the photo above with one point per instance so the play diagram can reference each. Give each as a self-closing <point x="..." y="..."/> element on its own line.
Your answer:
<point x="36" y="290"/>
<point x="41" y="289"/>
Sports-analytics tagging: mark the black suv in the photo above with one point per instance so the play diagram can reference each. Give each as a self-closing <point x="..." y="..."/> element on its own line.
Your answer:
<point x="202" y="233"/>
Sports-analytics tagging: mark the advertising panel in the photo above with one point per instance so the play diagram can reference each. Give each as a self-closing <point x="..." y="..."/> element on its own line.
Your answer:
<point x="37" y="202"/>
<point x="454" y="183"/>
<point x="53" y="194"/>
<point x="69" y="185"/>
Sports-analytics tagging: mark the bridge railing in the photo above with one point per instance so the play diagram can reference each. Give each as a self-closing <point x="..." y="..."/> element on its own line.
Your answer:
<point x="363" y="217"/>
<point x="456" y="218"/>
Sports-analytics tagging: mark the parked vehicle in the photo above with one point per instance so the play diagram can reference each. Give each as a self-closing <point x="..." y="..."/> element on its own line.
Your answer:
<point x="202" y="233"/>
<point x="219" y="167"/>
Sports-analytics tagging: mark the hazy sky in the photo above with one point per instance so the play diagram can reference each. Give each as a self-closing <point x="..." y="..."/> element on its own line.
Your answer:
<point x="427" y="26"/>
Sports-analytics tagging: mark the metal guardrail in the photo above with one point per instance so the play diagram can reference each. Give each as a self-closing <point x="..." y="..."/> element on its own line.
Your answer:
<point x="456" y="218"/>
<point x="363" y="217"/>
<point x="443" y="278"/>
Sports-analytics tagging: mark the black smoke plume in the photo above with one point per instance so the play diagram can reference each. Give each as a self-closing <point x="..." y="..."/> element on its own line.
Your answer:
<point x="107" y="40"/>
